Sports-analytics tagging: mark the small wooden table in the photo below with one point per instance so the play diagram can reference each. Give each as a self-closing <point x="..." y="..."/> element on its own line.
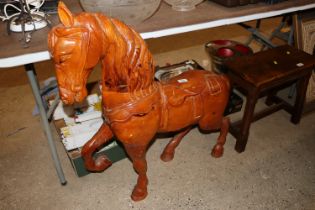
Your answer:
<point x="263" y="74"/>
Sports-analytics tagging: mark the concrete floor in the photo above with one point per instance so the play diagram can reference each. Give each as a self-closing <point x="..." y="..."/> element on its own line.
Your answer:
<point x="277" y="170"/>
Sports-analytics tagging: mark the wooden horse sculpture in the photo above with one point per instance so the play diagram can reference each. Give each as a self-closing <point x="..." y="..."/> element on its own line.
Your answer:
<point x="135" y="107"/>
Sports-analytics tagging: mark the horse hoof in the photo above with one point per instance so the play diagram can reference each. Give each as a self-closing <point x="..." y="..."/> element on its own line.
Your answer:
<point x="167" y="157"/>
<point x="102" y="163"/>
<point x="217" y="151"/>
<point x="138" y="195"/>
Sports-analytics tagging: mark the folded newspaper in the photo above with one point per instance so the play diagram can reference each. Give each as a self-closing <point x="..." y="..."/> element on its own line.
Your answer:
<point x="82" y="121"/>
<point x="76" y="135"/>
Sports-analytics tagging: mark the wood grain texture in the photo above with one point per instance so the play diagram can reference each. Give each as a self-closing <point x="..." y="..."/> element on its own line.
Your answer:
<point x="135" y="107"/>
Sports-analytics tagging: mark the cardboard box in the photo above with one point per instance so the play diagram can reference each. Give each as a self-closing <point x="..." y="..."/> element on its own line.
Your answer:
<point x="114" y="153"/>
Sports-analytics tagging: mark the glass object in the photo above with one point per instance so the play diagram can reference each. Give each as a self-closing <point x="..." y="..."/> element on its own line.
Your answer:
<point x="128" y="11"/>
<point x="183" y="5"/>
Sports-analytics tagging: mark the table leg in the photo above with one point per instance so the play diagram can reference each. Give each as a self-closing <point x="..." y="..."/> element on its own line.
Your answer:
<point x="297" y="30"/>
<point x="301" y="86"/>
<point x="270" y="98"/>
<point x="243" y="134"/>
<point x="30" y="70"/>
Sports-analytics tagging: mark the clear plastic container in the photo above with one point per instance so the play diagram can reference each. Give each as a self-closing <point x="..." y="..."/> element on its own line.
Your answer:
<point x="128" y="11"/>
<point x="183" y="5"/>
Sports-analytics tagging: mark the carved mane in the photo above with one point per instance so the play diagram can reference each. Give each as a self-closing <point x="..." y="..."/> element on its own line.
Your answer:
<point x="133" y="64"/>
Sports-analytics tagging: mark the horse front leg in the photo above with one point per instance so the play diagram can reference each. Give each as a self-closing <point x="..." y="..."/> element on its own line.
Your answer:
<point x="137" y="155"/>
<point x="103" y="135"/>
<point x="169" y="150"/>
<point x="218" y="149"/>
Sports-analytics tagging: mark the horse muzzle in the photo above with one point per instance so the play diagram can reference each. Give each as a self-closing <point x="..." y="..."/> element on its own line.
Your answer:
<point x="70" y="97"/>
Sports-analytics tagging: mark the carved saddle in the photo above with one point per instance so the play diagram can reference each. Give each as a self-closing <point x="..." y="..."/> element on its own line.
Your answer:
<point x="183" y="94"/>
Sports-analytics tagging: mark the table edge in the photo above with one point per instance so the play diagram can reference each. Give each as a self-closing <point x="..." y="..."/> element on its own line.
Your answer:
<point x="44" y="55"/>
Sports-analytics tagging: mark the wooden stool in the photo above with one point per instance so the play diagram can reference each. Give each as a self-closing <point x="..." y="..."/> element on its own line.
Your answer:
<point x="263" y="74"/>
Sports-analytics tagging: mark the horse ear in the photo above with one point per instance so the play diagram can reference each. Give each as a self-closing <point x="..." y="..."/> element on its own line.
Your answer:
<point x="65" y="15"/>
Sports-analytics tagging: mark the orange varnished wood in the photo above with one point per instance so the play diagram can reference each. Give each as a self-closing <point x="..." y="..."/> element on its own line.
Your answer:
<point x="135" y="107"/>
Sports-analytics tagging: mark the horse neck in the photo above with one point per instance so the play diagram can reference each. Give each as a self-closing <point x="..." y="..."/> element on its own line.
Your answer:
<point x="127" y="64"/>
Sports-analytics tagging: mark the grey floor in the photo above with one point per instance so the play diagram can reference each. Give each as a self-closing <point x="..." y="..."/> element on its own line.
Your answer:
<point x="277" y="170"/>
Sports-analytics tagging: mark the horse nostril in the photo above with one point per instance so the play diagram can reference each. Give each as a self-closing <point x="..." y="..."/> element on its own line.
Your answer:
<point x="76" y="88"/>
<point x="64" y="98"/>
<point x="80" y="95"/>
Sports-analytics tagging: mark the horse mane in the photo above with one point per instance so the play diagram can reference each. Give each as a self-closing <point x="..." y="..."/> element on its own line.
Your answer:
<point x="126" y="61"/>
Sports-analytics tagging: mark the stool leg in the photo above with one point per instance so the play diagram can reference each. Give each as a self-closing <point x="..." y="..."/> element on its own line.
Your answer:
<point x="270" y="98"/>
<point x="301" y="87"/>
<point x="246" y="121"/>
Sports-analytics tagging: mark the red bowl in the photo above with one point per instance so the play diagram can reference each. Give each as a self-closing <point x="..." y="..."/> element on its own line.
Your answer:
<point x="225" y="52"/>
<point x="222" y="42"/>
<point x="243" y="49"/>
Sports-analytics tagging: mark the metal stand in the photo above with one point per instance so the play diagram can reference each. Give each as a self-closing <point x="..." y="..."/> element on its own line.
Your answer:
<point x="31" y="74"/>
<point x="285" y="36"/>
<point x="256" y="35"/>
<point x="266" y="41"/>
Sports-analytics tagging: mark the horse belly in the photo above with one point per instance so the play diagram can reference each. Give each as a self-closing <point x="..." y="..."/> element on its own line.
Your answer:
<point x="178" y="117"/>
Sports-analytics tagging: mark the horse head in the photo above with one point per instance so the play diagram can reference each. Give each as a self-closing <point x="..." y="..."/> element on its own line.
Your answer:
<point x="74" y="55"/>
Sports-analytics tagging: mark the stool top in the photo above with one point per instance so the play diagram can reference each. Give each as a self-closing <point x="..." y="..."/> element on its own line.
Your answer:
<point x="271" y="65"/>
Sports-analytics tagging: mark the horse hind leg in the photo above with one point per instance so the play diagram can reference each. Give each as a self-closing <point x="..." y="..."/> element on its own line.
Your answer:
<point x="169" y="150"/>
<point x="137" y="155"/>
<point x="218" y="148"/>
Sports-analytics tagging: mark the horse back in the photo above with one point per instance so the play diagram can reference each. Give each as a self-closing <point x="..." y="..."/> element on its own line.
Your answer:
<point x="190" y="97"/>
